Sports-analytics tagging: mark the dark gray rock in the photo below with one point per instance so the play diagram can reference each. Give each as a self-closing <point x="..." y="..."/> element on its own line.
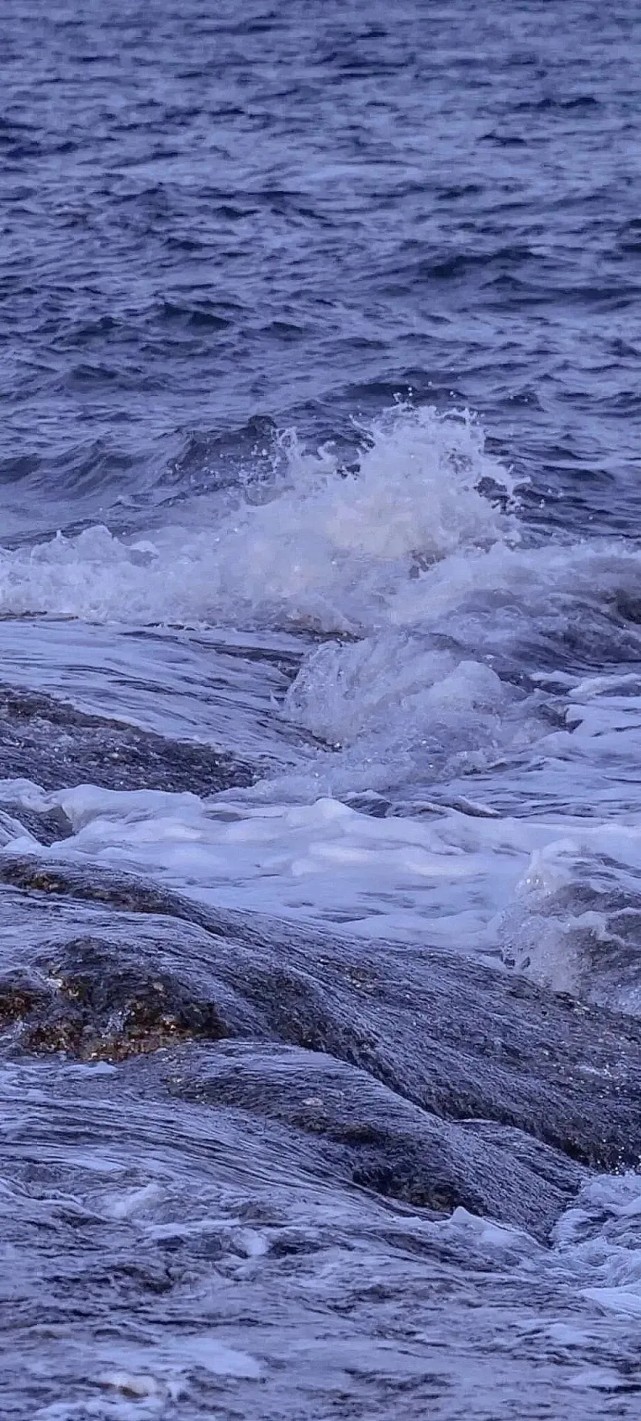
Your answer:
<point x="449" y="1034"/>
<point x="363" y="1132"/>
<point x="147" y="986"/>
<point x="52" y="743"/>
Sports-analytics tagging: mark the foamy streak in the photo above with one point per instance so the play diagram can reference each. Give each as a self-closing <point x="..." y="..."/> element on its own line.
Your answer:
<point x="323" y="861"/>
<point x="443" y="880"/>
<point x="561" y="897"/>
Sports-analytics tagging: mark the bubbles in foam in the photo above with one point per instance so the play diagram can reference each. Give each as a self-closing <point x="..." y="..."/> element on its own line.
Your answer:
<point x="326" y="547"/>
<point x="575" y="920"/>
<point x="413" y="552"/>
<point x="392" y="702"/>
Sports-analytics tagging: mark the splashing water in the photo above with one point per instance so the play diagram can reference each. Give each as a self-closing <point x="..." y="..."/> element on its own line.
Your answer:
<point x="327" y="547"/>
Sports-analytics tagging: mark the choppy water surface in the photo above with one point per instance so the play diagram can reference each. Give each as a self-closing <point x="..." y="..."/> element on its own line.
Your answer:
<point x="320" y="601"/>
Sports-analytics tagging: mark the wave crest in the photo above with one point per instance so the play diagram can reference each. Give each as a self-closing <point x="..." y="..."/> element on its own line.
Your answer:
<point x="324" y="547"/>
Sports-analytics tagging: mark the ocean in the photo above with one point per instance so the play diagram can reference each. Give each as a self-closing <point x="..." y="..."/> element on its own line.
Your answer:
<point x="320" y="710"/>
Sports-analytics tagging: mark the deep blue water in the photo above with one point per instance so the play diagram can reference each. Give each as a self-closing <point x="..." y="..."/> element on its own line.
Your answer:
<point x="320" y="347"/>
<point x="214" y="217"/>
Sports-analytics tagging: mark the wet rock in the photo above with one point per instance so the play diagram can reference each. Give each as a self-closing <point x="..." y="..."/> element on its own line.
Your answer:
<point x="51" y="742"/>
<point x="145" y="1219"/>
<point x="103" y="1000"/>
<point x="47" y="826"/>
<point x="450" y="1035"/>
<point x="380" y="1141"/>
<point x="328" y="1115"/>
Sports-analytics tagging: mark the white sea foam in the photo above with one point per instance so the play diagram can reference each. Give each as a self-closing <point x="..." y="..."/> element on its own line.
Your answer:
<point x="409" y="551"/>
<point x="439" y="595"/>
<point x="411" y="533"/>
<point x="559" y="896"/>
<point x="403" y="713"/>
<point x="323" y="546"/>
<point x="445" y="879"/>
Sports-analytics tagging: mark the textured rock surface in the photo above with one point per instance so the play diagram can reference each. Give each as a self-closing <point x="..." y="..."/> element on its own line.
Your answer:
<point x="436" y="1079"/>
<point x="51" y="742"/>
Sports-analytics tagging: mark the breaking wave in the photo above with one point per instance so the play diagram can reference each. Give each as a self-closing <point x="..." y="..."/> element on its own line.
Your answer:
<point x="325" y="547"/>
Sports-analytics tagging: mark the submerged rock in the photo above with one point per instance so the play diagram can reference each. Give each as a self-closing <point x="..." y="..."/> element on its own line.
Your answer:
<point x="51" y="742"/>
